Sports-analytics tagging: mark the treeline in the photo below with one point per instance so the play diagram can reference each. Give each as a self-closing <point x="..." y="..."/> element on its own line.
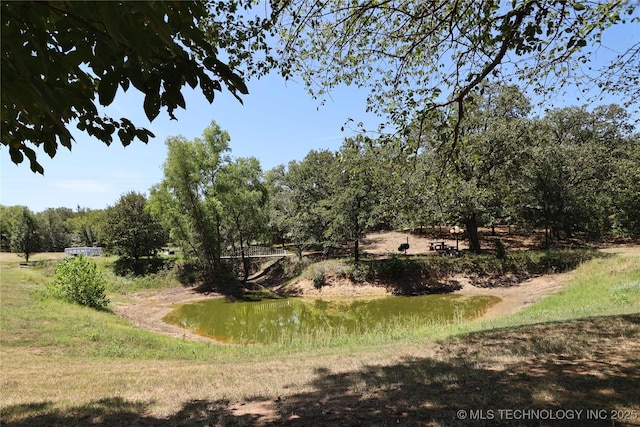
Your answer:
<point x="125" y="228"/>
<point x="570" y="171"/>
<point x="51" y="230"/>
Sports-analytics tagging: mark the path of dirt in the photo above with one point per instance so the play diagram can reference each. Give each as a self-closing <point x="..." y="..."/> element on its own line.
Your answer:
<point x="515" y="298"/>
<point x="147" y="311"/>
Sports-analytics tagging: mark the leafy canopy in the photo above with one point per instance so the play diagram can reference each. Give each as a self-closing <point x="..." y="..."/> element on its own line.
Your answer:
<point x="26" y="236"/>
<point x="130" y="230"/>
<point x="416" y="56"/>
<point x="59" y="58"/>
<point x="186" y="200"/>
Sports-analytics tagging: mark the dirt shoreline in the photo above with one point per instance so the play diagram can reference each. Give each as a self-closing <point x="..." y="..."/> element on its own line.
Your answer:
<point x="147" y="311"/>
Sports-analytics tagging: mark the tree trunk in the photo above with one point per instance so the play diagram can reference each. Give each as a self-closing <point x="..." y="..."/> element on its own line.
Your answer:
<point x="245" y="267"/>
<point x="356" y="250"/>
<point x="471" y="224"/>
<point x="356" y="221"/>
<point x="245" y="262"/>
<point x="217" y="263"/>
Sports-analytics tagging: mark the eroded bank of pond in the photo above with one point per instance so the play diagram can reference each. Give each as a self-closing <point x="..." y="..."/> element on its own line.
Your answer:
<point x="283" y="320"/>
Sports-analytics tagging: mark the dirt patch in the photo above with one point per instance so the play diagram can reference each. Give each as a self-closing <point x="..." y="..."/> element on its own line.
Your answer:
<point x="515" y="298"/>
<point x="147" y="311"/>
<point x="335" y="288"/>
<point x="388" y="242"/>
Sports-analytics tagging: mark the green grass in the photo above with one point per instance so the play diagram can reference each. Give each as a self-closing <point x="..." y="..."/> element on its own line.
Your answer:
<point x="600" y="287"/>
<point x="603" y="286"/>
<point x="65" y="364"/>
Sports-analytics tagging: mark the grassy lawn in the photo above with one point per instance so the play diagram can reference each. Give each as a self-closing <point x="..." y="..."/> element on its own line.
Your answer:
<point x="578" y="350"/>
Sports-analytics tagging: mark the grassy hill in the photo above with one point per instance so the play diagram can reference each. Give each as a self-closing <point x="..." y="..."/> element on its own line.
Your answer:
<point x="577" y="350"/>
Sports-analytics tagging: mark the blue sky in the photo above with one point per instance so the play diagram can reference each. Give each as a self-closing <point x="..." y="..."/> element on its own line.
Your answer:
<point x="278" y="122"/>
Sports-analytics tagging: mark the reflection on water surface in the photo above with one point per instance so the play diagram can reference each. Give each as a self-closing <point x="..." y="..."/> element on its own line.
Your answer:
<point x="282" y="320"/>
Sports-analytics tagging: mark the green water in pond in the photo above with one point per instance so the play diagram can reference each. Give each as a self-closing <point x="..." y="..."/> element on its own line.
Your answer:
<point x="285" y="320"/>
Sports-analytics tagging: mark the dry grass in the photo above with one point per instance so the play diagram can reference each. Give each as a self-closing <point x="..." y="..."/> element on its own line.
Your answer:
<point x="582" y="364"/>
<point x="8" y="257"/>
<point x="51" y="376"/>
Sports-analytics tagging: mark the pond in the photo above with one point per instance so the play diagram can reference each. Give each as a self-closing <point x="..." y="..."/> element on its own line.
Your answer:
<point x="291" y="319"/>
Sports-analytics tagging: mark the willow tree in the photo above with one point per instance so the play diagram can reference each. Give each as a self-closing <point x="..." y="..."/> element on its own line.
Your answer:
<point x="243" y="197"/>
<point x="186" y="200"/>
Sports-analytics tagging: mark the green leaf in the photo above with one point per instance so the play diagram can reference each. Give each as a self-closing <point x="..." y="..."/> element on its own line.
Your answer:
<point x="16" y="155"/>
<point x="34" y="165"/>
<point x="152" y="105"/>
<point x="143" y="135"/>
<point x="107" y="88"/>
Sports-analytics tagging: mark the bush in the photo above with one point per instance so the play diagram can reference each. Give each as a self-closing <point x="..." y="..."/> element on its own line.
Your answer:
<point x="79" y="281"/>
<point x="319" y="279"/>
<point x="359" y="273"/>
<point x="125" y="266"/>
<point x="392" y="268"/>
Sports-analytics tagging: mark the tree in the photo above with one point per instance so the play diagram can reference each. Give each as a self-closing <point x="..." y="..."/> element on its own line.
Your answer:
<point x="58" y="57"/>
<point x="87" y="226"/>
<point x="186" y="200"/>
<point x="479" y="173"/>
<point x="26" y="238"/>
<point x="281" y="207"/>
<point x="417" y="56"/>
<point x="130" y="230"/>
<point x="352" y="202"/>
<point x="626" y="199"/>
<point x="309" y="188"/>
<point x="243" y="197"/>
<point x="567" y="184"/>
<point x="56" y="232"/>
<point x="8" y="215"/>
<point x="405" y="190"/>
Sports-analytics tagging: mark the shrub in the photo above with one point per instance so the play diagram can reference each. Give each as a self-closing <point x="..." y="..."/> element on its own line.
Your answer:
<point x="79" y="281"/>
<point x="125" y="266"/>
<point x="359" y="273"/>
<point x="392" y="268"/>
<point x="319" y="279"/>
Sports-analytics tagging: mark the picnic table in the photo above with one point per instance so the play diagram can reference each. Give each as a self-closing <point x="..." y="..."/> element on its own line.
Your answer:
<point x="438" y="246"/>
<point x="443" y="249"/>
